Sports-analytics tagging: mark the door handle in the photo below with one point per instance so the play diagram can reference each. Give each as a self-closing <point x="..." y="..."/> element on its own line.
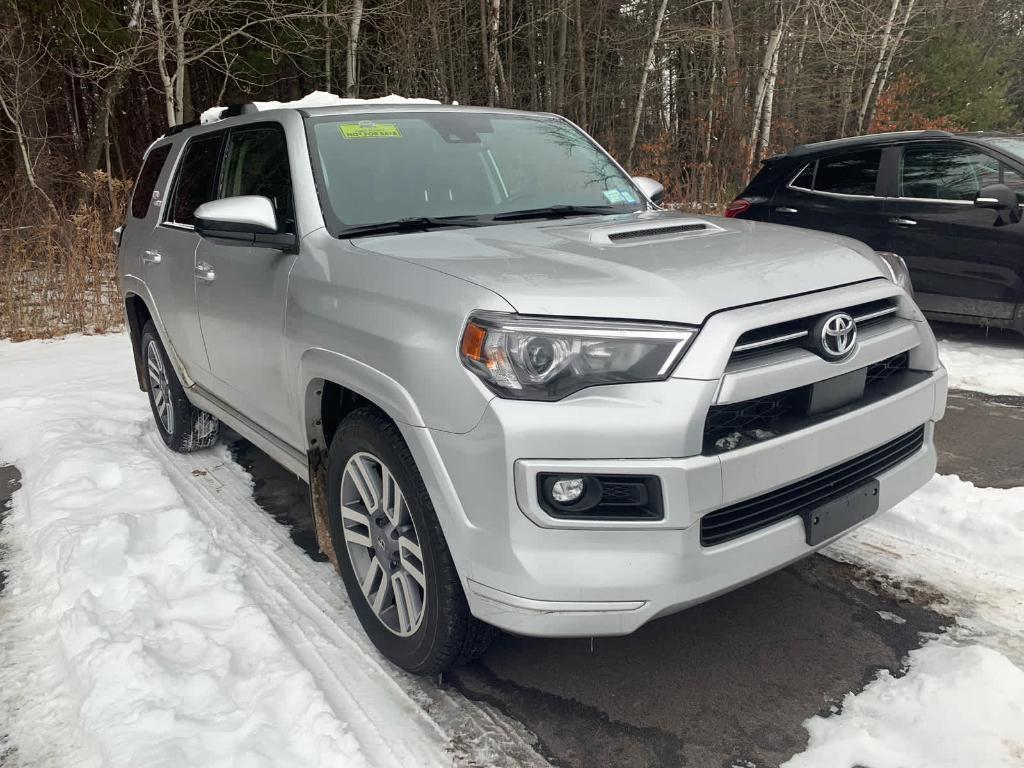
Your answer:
<point x="204" y="272"/>
<point x="903" y="222"/>
<point x="786" y="210"/>
<point x="151" y="257"/>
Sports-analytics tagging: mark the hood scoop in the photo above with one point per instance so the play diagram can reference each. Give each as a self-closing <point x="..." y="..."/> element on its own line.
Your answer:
<point x="646" y="230"/>
<point x="656" y="231"/>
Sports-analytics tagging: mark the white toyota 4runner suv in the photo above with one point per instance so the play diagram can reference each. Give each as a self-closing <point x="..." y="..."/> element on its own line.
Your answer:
<point x="523" y="396"/>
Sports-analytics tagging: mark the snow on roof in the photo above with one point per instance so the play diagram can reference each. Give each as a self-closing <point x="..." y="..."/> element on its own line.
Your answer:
<point x="315" y="99"/>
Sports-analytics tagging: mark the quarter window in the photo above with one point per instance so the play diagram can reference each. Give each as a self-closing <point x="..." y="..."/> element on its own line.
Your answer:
<point x="146" y="183"/>
<point x="257" y="164"/>
<point x="805" y="179"/>
<point x="946" y="172"/>
<point x="197" y="176"/>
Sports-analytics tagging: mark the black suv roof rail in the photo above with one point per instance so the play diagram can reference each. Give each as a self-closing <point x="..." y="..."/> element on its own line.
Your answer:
<point x="853" y="141"/>
<point x="232" y="110"/>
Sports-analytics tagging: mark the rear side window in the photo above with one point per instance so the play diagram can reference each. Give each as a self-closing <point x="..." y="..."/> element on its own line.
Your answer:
<point x="852" y="174"/>
<point x="197" y="178"/>
<point x="256" y="163"/>
<point x="146" y="183"/>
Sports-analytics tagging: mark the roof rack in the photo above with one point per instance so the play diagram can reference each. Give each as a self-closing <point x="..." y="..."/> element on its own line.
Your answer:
<point x="232" y="110"/>
<point x="851" y="141"/>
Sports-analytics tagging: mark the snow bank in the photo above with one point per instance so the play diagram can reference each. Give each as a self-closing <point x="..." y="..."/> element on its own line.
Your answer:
<point x="317" y="99"/>
<point x="154" y="615"/>
<point x="956" y="521"/>
<point x="955" y="707"/>
<point x="965" y="542"/>
<point x="988" y="368"/>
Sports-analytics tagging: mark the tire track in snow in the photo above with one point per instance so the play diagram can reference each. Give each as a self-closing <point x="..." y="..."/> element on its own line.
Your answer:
<point x="306" y="603"/>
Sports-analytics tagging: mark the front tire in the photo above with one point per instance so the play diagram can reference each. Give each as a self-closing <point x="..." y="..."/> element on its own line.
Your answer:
<point x="391" y="552"/>
<point x="183" y="427"/>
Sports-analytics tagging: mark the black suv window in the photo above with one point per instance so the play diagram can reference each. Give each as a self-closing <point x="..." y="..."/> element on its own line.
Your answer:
<point x="937" y="172"/>
<point x="256" y="163"/>
<point x="197" y="176"/>
<point x="146" y="182"/>
<point x="851" y="174"/>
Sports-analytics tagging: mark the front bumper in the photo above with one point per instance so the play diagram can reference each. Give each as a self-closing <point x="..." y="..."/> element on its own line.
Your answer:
<point x="531" y="574"/>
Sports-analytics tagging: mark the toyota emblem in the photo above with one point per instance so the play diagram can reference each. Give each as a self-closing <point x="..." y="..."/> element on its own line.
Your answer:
<point x="834" y="336"/>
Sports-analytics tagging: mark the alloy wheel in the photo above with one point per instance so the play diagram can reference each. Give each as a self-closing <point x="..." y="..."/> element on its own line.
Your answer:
<point x="382" y="544"/>
<point x="159" y="386"/>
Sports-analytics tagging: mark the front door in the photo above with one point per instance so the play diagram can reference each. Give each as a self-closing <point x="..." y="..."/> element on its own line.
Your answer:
<point x="243" y="294"/>
<point x="963" y="260"/>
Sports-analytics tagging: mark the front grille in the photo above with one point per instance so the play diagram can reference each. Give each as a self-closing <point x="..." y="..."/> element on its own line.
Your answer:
<point x="793" y="333"/>
<point x="884" y="369"/>
<point x="791" y="500"/>
<point x="735" y="425"/>
<point x="657" y="231"/>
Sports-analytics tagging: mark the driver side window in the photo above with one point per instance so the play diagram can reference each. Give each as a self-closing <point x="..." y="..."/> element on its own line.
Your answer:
<point x="256" y="163"/>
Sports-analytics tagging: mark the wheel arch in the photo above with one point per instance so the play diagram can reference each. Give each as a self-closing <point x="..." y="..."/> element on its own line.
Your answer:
<point x="334" y="385"/>
<point x="137" y="314"/>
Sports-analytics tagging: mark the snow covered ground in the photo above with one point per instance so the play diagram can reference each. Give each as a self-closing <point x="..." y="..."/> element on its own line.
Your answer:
<point x="996" y="368"/>
<point x="154" y="615"/>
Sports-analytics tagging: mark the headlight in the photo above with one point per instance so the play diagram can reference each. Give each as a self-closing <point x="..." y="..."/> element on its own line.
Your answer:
<point x="535" y="358"/>
<point x="897" y="270"/>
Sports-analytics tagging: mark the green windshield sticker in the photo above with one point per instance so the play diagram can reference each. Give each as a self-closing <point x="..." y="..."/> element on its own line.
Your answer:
<point x="366" y="130"/>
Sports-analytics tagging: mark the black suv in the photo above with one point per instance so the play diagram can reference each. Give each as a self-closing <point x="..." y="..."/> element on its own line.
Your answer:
<point x="949" y="204"/>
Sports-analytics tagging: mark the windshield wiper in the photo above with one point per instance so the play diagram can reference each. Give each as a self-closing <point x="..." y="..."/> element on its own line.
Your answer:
<point x="410" y="224"/>
<point x="556" y="212"/>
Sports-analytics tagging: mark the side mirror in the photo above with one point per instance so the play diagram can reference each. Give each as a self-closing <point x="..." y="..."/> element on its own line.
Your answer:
<point x="245" y="220"/>
<point x="653" y="190"/>
<point x="1001" y="198"/>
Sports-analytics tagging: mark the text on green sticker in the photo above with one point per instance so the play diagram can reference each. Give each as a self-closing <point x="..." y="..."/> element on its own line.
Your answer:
<point x="370" y="131"/>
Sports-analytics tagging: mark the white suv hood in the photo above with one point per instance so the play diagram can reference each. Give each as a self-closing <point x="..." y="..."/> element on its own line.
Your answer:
<point x="572" y="268"/>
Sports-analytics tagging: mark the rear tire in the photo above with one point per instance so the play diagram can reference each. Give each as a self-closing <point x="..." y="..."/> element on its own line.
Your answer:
<point x="423" y="625"/>
<point x="183" y="427"/>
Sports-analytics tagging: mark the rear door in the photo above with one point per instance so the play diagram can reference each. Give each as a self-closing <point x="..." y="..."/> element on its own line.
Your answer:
<point x="169" y="257"/>
<point x="838" y="193"/>
<point x="242" y="296"/>
<point x="963" y="260"/>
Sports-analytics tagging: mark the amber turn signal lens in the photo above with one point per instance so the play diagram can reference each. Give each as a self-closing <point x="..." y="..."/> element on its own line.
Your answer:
<point x="473" y="342"/>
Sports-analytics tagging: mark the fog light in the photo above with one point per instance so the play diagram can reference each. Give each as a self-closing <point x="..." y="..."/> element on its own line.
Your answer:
<point x="567" y="490"/>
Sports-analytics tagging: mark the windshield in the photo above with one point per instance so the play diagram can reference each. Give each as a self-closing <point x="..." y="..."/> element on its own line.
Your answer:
<point x="387" y="168"/>
<point x="1014" y="145"/>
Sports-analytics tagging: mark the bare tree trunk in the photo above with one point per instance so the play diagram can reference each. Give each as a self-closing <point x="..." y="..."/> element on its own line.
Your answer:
<point x="883" y="49"/>
<point x="351" y="80"/>
<point x="765" y="78"/>
<point x="493" y="23"/>
<point x="179" y="62"/>
<point x="161" y="61"/>
<point x="327" y="46"/>
<point x="563" y="37"/>
<point x="648" y="66"/>
<point x="582" y="61"/>
<point x="766" y="119"/>
<point x="100" y="134"/>
<point x="888" y="63"/>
